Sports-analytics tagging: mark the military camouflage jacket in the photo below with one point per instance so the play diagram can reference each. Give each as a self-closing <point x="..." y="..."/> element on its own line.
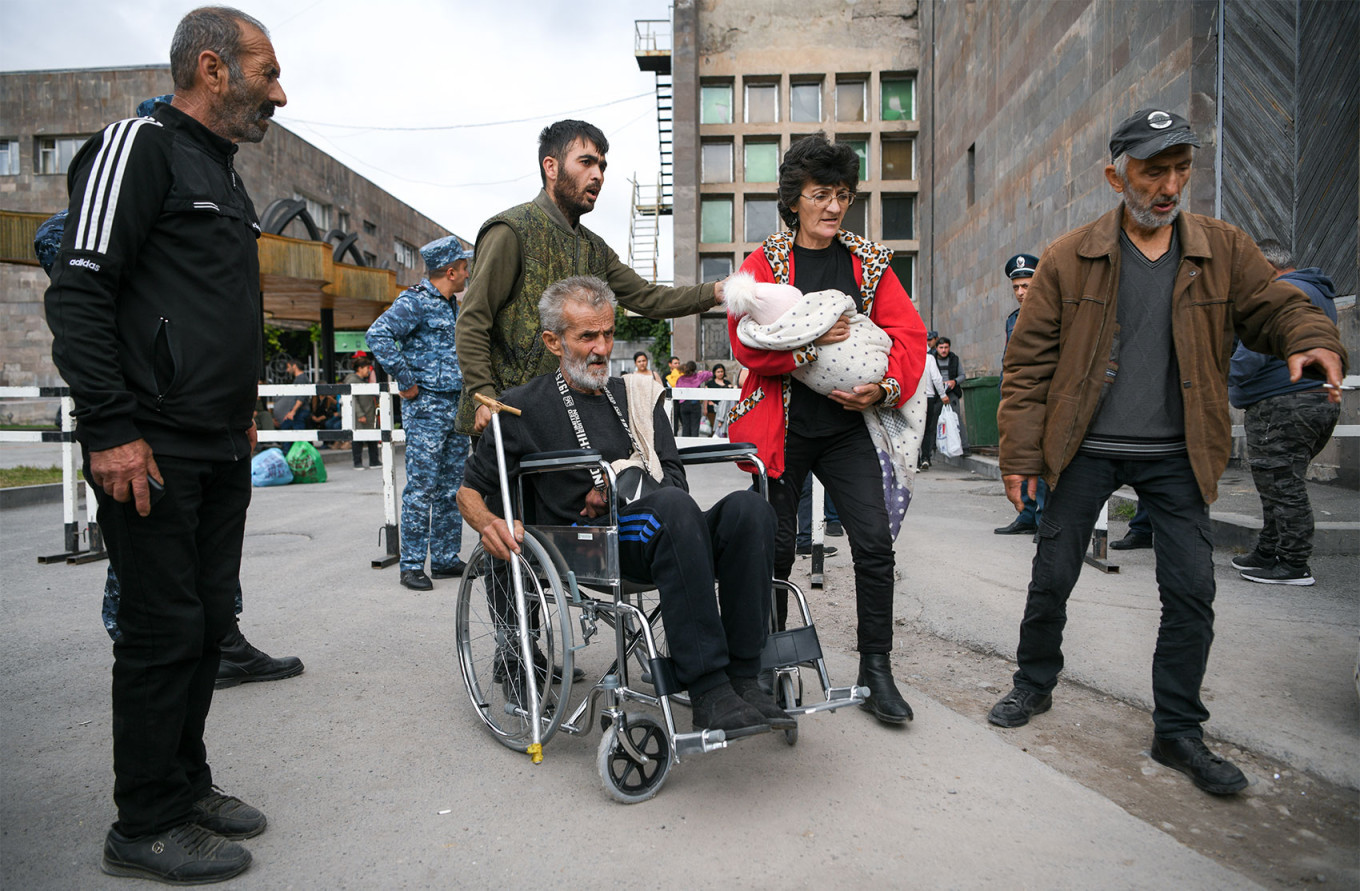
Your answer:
<point x="414" y="340"/>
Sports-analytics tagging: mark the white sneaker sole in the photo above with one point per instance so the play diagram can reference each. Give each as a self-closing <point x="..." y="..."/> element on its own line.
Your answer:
<point x="1303" y="582"/>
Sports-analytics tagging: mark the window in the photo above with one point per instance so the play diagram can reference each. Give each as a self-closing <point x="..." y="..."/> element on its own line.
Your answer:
<point x="898" y="159"/>
<point x="717" y="158"/>
<point x="762" y="103"/>
<point x="899" y="99"/>
<point x="899" y="217"/>
<point x="762" y="218"/>
<point x="715" y="220"/>
<point x="370" y="228"/>
<point x="405" y="253"/>
<point x="342" y="222"/>
<point x="715" y="104"/>
<point x="972" y="174"/>
<point x="370" y="259"/>
<point x="850" y="100"/>
<point x="761" y="162"/>
<point x="805" y="102"/>
<point x="320" y="213"/>
<point x="861" y="147"/>
<point x="713" y="340"/>
<point x="9" y="157"/>
<point x="904" y="266"/>
<point x="56" y="152"/>
<point x="854" y="217"/>
<point x="713" y="268"/>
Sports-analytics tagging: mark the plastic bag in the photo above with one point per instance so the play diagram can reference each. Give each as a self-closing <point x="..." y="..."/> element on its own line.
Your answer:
<point x="947" y="439"/>
<point x="270" y="468"/>
<point x="306" y="463"/>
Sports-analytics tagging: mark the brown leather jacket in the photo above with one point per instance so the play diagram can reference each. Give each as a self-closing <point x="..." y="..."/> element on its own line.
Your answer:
<point x="1056" y="361"/>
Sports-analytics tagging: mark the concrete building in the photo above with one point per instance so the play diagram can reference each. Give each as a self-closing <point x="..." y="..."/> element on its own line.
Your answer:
<point x="1018" y="102"/>
<point x="371" y="239"/>
<point x="749" y="78"/>
<point x="984" y="130"/>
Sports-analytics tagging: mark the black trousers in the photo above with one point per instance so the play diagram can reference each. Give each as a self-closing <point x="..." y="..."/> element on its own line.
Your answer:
<point x="178" y="569"/>
<point x="933" y="406"/>
<point x="690" y="413"/>
<point x="1185" y="580"/>
<point x="847" y="464"/>
<point x="666" y="540"/>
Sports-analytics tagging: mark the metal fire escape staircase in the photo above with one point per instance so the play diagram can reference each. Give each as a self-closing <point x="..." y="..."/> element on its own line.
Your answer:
<point x="652" y="201"/>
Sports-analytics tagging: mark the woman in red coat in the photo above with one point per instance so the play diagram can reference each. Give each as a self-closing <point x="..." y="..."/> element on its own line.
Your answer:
<point x="795" y="429"/>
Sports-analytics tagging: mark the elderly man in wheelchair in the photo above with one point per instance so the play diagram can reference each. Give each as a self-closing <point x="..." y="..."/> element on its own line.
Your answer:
<point x="664" y="539"/>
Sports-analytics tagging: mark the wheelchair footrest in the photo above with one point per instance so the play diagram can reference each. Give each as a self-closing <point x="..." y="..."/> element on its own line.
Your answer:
<point x="699" y="743"/>
<point x="836" y="697"/>
<point x="792" y="647"/>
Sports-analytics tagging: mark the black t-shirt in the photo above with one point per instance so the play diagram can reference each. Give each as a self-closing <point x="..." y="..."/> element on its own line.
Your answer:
<point x="822" y="269"/>
<point x="545" y="426"/>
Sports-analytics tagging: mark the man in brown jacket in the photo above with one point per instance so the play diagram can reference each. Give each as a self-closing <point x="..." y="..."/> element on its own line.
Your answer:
<point x="1117" y="374"/>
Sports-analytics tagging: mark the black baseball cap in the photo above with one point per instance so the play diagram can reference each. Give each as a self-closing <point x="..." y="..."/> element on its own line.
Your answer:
<point x="1021" y="266"/>
<point x="1150" y="131"/>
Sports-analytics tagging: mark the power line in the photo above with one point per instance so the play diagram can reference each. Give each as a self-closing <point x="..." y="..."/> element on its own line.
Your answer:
<point x="289" y="119"/>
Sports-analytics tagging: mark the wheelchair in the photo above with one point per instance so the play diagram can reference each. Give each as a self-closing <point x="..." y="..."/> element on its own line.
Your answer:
<point x="520" y="625"/>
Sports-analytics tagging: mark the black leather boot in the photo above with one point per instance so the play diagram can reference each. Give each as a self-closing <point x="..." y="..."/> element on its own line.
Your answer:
<point x="242" y="663"/>
<point x="875" y="672"/>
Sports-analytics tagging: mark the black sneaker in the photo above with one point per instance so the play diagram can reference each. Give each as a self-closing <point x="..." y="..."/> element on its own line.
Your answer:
<point x="827" y="550"/>
<point x="243" y="663"/>
<point x="416" y="580"/>
<point x="834" y="528"/>
<point x="1133" y="541"/>
<point x="1208" y="771"/>
<point x="749" y="689"/>
<point x="1254" y="560"/>
<point x="1280" y="573"/>
<point x="228" y="816"/>
<point x="185" y="855"/>
<point x="722" y="709"/>
<point x="1018" y="707"/>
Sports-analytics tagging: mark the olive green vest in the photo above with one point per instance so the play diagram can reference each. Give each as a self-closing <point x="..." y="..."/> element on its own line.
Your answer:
<point x="548" y="253"/>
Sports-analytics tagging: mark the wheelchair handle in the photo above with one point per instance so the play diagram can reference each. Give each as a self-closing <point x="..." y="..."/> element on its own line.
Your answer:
<point x="718" y="452"/>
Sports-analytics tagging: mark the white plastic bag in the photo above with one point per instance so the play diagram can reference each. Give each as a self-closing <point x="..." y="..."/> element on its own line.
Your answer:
<point x="947" y="440"/>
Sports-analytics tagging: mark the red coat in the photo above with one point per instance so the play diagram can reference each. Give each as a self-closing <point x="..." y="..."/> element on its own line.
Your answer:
<point x="762" y="415"/>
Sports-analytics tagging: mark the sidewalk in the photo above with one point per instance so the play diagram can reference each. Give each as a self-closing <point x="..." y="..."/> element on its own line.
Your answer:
<point x="1236" y="515"/>
<point x="375" y="773"/>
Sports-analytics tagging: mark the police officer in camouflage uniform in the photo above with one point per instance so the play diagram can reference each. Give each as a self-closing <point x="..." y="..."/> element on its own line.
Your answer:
<point x="1287" y="424"/>
<point x="414" y="342"/>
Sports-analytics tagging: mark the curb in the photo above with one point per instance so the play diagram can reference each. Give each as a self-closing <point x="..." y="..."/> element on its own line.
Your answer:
<point x="1232" y="531"/>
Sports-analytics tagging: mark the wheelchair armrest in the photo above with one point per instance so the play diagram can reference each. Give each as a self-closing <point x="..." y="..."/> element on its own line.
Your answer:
<point x="716" y="453"/>
<point x="565" y="459"/>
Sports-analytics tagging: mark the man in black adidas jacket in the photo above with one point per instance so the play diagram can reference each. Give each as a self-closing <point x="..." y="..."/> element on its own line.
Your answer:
<point x="154" y="310"/>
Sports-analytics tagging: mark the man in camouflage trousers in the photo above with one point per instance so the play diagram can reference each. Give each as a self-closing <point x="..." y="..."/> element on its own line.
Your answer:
<point x="1287" y="425"/>
<point x="414" y="342"/>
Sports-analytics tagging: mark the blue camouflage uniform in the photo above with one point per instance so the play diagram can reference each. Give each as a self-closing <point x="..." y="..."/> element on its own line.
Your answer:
<point x="414" y="342"/>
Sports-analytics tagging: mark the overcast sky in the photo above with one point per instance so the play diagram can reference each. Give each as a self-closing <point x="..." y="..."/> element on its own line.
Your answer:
<point x="352" y="67"/>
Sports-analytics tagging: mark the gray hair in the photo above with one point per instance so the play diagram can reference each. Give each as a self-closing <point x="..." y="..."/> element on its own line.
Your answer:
<point x="214" y="28"/>
<point x="1277" y="254"/>
<point x="586" y="289"/>
<point x="1121" y="166"/>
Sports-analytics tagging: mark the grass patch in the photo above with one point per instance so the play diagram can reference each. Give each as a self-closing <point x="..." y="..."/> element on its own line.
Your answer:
<point x="1124" y="510"/>
<point x="29" y="476"/>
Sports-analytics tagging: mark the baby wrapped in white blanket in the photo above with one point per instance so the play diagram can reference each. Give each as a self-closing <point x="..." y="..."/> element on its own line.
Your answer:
<point x="780" y="317"/>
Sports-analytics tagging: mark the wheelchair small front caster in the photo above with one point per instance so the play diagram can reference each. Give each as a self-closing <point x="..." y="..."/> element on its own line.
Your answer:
<point x="625" y="778"/>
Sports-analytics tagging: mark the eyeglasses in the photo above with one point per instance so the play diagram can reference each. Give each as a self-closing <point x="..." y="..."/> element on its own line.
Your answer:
<point x="823" y="197"/>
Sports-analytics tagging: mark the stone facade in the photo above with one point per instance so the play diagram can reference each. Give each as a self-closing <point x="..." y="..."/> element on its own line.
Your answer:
<point x="1019" y="99"/>
<point x="38" y="105"/>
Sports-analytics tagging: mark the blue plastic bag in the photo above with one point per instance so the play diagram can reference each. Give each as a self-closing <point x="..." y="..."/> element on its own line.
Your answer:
<point x="270" y="468"/>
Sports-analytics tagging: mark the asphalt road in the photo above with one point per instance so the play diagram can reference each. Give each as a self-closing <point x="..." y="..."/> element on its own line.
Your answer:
<point x="376" y="774"/>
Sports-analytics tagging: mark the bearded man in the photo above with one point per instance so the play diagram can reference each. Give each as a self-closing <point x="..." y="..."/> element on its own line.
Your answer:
<point x="527" y="248"/>
<point x="154" y="308"/>
<point x="665" y="539"/>
<point x="1116" y="374"/>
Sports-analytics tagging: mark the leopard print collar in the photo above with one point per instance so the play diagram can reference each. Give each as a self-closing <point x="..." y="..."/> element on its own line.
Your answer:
<point x="874" y="259"/>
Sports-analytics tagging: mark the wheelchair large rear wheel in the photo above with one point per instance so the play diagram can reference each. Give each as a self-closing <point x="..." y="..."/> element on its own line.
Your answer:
<point x="625" y="778"/>
<point x="488" y="643"/>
